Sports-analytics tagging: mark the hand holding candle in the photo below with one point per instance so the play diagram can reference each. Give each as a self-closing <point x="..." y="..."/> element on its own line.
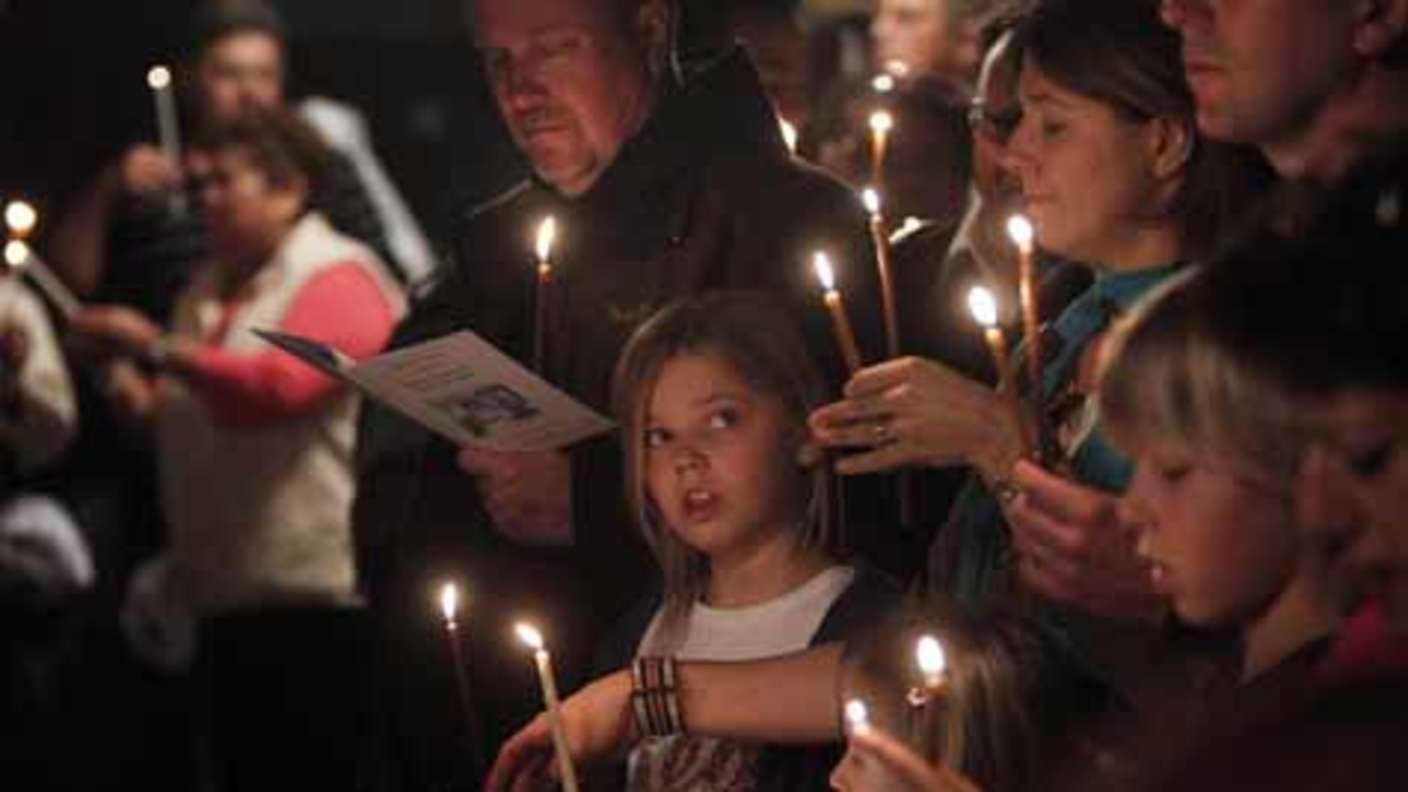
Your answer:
<point x="845" y="336"/>
<point x="546" y="238"/>
<point x="984" y="308"/>
<point x="168" y="125"/>
<point x="533" y="639"/>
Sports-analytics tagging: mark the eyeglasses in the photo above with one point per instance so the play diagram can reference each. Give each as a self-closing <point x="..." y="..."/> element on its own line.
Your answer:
<point x="998" y="124"/>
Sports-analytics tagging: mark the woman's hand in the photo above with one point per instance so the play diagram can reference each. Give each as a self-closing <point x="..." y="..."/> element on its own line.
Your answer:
<point x="877" y="761"/>
<point x="115" y="330"/>
<point x="598" y="723"/>
<point x="913" y="411"/>
<point x="1072" y="546"/>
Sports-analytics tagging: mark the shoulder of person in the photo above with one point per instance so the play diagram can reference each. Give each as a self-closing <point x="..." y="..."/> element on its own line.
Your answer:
<point x="871" y="595"/>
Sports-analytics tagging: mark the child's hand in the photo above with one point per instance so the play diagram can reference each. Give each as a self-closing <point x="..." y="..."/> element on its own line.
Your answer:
<point x="1072" y="546"/>
<point x="914" y="411"/>
<point x="528" y="494"/>
<point x="875" y="761"/>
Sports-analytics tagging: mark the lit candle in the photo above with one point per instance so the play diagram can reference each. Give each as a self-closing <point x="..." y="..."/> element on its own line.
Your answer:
<point x="168" y="126"/>
<point x="881" y="124"/>
<point x="20" y="218"/>
<point x="790" y="135"/>
<point x="530" y="636"/>
<point x="871" y="198"/>
<point x="883" y="83"/>
<point x="984" y="308"/>
<point x="20" y="257"/>
<point x="547" y="236"/>
<point x="1022" y="233"/>
<point x="857" y="716"/>
<point x="845" y="336"/>
<point x="449" y="608"/>
<point x="929" y="655"/>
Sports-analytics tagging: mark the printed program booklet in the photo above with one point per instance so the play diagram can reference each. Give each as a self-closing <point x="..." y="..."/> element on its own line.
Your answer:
<point x="461" y="387"/>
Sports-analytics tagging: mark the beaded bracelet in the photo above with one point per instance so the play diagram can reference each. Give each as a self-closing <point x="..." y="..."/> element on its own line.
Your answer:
<point x="655" y="697"/>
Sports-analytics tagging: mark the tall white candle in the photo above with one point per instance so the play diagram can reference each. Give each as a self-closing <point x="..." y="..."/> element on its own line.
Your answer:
<point x="168" y="126"/>
<point x="20" y="257"/>
<point x="530" y="636"/>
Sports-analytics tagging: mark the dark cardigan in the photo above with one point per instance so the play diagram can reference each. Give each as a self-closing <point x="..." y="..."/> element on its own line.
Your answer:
<point x="871" y="596"/>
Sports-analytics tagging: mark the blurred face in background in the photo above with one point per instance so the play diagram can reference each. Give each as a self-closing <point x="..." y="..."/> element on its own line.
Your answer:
<point x="993" y="118"/>
<point x="571" y="80"/>
<point x="240" y="71"/>
<point x="1353" y="497"/>
<point x="913" y="32"/>
<point x="247" y="213"/>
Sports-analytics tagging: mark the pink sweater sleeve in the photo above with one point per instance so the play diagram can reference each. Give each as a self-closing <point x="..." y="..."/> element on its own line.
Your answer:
<point x="342" y="306"/>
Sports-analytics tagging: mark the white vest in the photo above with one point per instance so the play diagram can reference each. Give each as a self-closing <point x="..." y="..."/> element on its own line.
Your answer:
<point x="262" y="513"/>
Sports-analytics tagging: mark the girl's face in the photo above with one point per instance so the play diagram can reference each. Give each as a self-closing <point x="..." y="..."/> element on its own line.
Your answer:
<point x="1353" y="496"/>
<point x="1221" y="547"/>
<point x="720" y="457"/>
<point x="246" y="213"/>
<point x="1088" y="174"/>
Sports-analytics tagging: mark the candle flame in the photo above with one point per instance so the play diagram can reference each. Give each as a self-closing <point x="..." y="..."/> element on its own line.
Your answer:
<point x="159" y="78"/>
<point x="883" y="83"/>
<point x="21" y="217"/>
<point x="983" y="305"/>
<point x="529" y="635"/>
<point x="790" y="135"/>
<point x="449" y="601"/>
<point x="871" y="198"/>
<point x="16" y="253"/>
<point x="929" y="653"/>
<point x="881" y="122"/>
<point x="1021" y="231"/>
<point x="857" y="715"/>
<point x="547" y="235"/>
<point x="824" y="273"/>
<point x="897" y="68"/>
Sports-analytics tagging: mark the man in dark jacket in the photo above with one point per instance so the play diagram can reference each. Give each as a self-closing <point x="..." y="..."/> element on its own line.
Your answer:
<point x="665" y="179"/>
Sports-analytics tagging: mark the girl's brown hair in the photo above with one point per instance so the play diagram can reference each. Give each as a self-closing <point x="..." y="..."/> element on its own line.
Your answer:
<point x="757" y="338"/>
<point x="1119" y="53"/>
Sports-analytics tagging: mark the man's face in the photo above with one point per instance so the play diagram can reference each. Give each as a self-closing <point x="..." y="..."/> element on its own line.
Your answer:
<point x="239" y="71"/>
<point x="1261" y="70"/>
<point x="571" y="80"/>
<point x="993" y="118"/>
<point x="912" y="32"/>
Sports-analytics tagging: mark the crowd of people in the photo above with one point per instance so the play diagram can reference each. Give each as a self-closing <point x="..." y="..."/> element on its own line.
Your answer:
<point x="1159" y="546"/>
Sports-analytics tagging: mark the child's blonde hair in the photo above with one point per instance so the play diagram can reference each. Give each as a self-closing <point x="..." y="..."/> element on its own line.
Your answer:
<point x="1173" y="373"/>
<point x="754" y="335"/>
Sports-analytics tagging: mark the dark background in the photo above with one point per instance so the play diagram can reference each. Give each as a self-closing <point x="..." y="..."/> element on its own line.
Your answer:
<point x="74" y="91"/>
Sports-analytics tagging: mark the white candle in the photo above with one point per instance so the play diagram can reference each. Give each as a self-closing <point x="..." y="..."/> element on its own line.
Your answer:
<point x="20" y="257"/>
<point x="546" y="238"/>
<point x="840" y="323"/>
<point x="871" y="198"/>
<point x="530" y="636"/>
<point x="168" y="125"/>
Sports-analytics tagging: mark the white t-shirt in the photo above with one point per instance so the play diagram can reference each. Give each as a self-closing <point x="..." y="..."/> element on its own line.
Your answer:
<point x="779" y="626"/>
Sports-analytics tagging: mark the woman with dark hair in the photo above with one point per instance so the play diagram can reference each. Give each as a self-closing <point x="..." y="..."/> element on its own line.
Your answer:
<point x="254" y="451"/>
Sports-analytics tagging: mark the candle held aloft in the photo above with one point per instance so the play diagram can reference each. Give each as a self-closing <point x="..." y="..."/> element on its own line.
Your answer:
<point x="20" y="218"/>
<point x="932" y="662"/>
<point x="533" y="639"/>
<point x="871" y="198"/>
<point x="841" y="324"/>
<point x="1023" y="236"/>
<point x="984" y="308"/>
<point x="857" y="716"/>
<point x="542" y="246"/>
<point x="168" y="126"/>
<point x="881" y="124"/>
<point x="20" y="257"/>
